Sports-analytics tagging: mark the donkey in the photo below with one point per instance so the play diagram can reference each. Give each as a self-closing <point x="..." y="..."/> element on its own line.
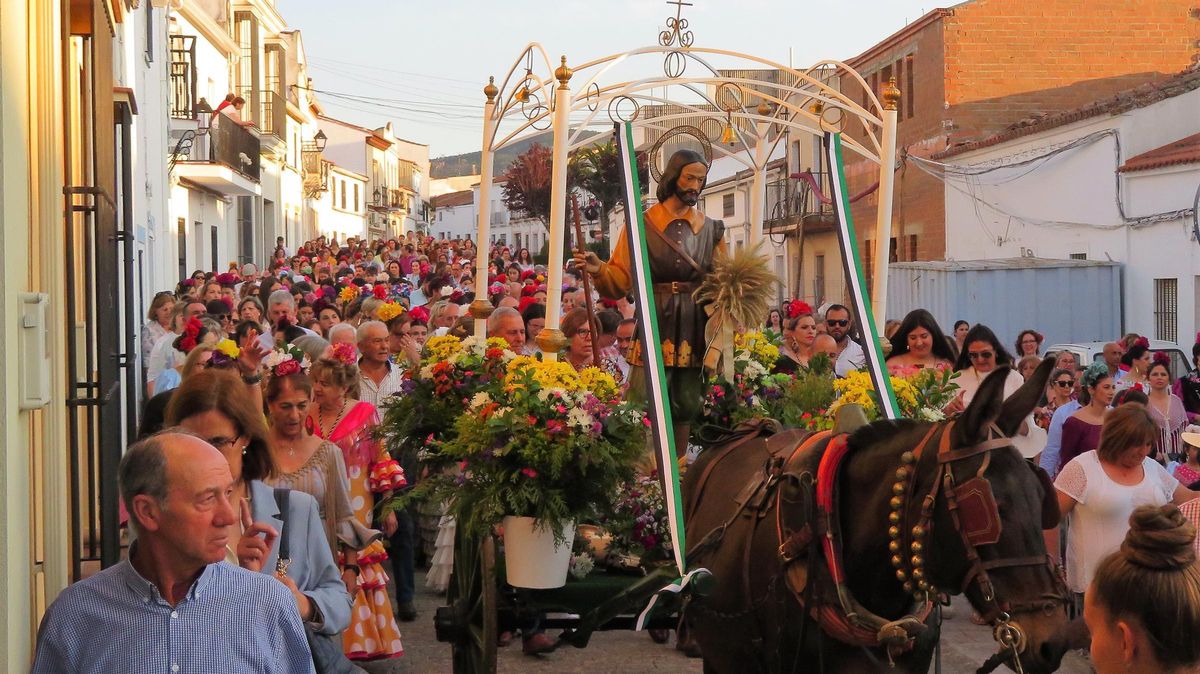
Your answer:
<point x="828" y="565"/>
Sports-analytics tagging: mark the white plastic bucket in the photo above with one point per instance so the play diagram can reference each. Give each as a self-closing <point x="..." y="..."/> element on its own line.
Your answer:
<point x="531" y="557"/>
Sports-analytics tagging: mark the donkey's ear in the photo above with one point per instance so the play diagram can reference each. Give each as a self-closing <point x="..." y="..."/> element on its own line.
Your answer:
<point x="985" y="407"/>
<point x="1018" y="406"/>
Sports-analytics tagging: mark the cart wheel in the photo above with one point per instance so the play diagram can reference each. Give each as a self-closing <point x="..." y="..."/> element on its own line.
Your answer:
<point x="472" y="603"/>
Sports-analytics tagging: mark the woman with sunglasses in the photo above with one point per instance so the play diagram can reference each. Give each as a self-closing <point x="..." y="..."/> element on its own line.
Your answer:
<point x="1060" y="391"/>
<point x="982" y="353"/>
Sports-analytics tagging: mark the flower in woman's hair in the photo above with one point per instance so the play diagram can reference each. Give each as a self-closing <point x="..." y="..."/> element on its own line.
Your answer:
<point x="1161" y="357"/>
<point x="329" y="291"/>
<point x="345" y="353"/>
<point x="380" y="291"/>
<point x="348" y="293"/>
<point x="191" y="335"/>
<point x="229" y="348"/>
<point x="420" y="314"/>
<point x="286" y="368"/>
<point x="1142" y="342"/>
<point x="798" y="308"/>
<point x="191" y="283"/>
<point x="388" y="311"/>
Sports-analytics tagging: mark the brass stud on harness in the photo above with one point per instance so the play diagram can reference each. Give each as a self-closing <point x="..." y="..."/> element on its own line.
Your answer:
<point x="918" y="561"/>
<point x="918" y="531"/>
<point x="902" y="473"/>
<point x="908" y="586"/>
<point x="894" y="546"/>
<point x="897" y="560"/>
<point x="908" y="458"/>
<point x="901" y="575"/>
<point x="894" y="532"/>
<point x="894" y="517"/>
<point x="917" y="547"/>
<point x="898" y="488"/>
<point x="918" y="574"/>
<point x="923" y="586"/>
<point x="896" y="502"/>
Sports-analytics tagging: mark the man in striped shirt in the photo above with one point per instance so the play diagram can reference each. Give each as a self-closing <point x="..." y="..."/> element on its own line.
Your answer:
<point x="175" y="606"/>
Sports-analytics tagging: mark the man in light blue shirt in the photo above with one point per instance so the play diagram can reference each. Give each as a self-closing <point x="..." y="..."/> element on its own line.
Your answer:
<point x="175" y="607"/>
<point x="1050" y="455"/>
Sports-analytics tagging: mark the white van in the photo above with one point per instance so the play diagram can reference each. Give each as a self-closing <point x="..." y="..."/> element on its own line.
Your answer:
<point x="1086" y="352"/>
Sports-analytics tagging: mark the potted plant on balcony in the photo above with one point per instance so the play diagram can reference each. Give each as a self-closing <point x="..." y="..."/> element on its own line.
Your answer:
<point x="543" y="448"/>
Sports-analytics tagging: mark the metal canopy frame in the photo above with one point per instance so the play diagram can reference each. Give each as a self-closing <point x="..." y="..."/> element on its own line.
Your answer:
<point x="534" y="96"/>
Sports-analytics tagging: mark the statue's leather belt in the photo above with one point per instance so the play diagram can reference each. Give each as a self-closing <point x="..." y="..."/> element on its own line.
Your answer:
<point x="676" y="287"/>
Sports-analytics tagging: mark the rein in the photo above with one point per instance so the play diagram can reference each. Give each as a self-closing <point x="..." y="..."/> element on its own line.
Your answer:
<point x="975" y="516"/>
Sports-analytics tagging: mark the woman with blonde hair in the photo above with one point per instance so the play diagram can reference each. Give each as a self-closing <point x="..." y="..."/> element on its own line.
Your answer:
<point x="1143" y="604"/>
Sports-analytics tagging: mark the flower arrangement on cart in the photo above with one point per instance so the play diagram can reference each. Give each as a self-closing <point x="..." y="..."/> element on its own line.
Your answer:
<point x="534" y="447"/>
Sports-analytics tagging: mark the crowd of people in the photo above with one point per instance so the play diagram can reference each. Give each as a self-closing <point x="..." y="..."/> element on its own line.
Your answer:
<point x="270" y="382"/>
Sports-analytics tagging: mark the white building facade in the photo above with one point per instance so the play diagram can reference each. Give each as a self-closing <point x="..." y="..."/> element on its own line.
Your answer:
<point x="1116" y="180"/>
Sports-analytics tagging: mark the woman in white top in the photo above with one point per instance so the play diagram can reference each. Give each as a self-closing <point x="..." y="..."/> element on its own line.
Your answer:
<point x="1098" y="491"/>
<point x="981" y="354"/>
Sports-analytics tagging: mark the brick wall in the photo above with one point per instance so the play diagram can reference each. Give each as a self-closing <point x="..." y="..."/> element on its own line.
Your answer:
<point x="986" y="64"/>
<point x="1009" y="59"/>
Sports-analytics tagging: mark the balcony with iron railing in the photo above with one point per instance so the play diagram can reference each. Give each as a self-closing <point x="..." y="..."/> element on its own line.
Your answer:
<point x="799" y="202"/>
<point x="218" y="153"/>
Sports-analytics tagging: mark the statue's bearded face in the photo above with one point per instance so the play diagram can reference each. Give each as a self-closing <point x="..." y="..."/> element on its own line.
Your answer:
<point x="690" y="182"/>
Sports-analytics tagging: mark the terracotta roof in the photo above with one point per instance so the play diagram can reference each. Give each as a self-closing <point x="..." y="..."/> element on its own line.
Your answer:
<point x="460" y="198"/>
<point x="1124" y="101"/>
<point x="1182" y="151"/>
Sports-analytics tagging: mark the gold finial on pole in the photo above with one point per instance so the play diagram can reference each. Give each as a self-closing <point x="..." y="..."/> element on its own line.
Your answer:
<point x="490" y="90"/>
<point x="563" y="74"/>
<point x="891" y="95"/>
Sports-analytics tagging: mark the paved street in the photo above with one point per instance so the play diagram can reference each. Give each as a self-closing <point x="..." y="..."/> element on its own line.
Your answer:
<point x="965" y="647"/>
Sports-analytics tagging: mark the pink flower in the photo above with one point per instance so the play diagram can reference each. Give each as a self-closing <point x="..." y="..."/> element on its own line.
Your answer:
<point x="529" y="472"/>
<point x="646" y="421"/>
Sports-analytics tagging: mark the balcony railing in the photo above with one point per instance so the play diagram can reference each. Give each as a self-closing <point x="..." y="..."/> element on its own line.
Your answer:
<point x="230" y="144"/>
<point x="316" y="171"/>
<point x="273" y="120"/>
<point x="793" y="200"/>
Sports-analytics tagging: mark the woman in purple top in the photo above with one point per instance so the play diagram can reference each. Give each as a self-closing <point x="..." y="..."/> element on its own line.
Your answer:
<point x="1081" y="431"/>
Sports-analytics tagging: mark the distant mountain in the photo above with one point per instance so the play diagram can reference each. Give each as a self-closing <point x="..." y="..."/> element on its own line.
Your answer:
<point x="467" y="164"/>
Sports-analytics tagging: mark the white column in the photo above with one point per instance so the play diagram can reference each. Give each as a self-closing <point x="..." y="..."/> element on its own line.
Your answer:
<point x="481" y="308"/>
<point x="758" y="188"/>
<point x="551" y="339"/>
<point x="887" y="179"/>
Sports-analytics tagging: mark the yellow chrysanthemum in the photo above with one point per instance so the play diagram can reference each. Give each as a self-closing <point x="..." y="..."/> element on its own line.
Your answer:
<point x="497" y="343"/>
<point x="442" y="347"/>
<point x="229" y="348"/>
<point x="598" y="382"/>
<point x="388" y="311"/>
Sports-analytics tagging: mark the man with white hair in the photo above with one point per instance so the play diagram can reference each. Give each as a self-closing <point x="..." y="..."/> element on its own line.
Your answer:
<point x="507" y="324"/>
<point x="281" y="306"/>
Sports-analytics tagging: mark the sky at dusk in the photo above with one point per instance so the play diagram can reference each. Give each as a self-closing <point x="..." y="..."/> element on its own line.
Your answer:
<point x="422" y="65"/>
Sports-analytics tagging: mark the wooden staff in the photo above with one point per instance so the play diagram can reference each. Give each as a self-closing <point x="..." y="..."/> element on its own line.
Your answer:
<point x="593" y="321"/>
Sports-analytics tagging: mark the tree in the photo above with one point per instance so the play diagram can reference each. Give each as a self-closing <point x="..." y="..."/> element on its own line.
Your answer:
<point x="527" y="183"/>
<point x="599" y="173"/>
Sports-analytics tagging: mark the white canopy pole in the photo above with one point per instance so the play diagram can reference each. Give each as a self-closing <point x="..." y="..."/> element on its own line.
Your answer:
<point x="481" y="308"/>
<point x="551" y="340"/>
<point x="887" y="179"/>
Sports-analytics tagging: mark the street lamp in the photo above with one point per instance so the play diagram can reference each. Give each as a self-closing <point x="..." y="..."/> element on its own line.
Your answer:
<point x="319" y="140"/>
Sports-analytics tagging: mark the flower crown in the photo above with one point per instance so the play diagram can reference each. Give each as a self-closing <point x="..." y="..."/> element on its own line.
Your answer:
<point x="1142" y="342"/>
<point x="1161" y="357"/>
<point x="1094" y="373"/>
<point x="420" y="314"/>
<point x="285" y="361"/>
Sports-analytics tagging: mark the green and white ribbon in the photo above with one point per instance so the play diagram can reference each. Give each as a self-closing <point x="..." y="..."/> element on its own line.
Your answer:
<point x="856" y="277"/>
<point x="658" y="407"/>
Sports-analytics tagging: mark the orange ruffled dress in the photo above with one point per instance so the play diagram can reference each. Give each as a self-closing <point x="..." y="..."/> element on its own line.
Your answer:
<point x="373" y="633"/>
